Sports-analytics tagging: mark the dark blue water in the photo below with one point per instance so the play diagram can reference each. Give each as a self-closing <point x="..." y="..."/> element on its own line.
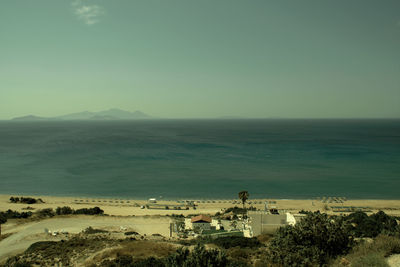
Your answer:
<point x="202" y="158"/>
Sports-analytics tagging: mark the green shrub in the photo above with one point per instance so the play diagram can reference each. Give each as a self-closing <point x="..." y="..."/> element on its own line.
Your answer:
<point x="149" y="262"/>
<point x="10" y="214"/>
<point x="236" y="241"/>
<point x="91" y="230"/>
<point x="313" y="241"/>
<point x="22" y="264"/>
<point x="45" y="213"/>
<point x="3" y="218"/>
<point x="199" y="257"/>
<point x="363" y="225"/>
<point x="40" y="246"/>
<point x="64" y="210"/>
<point x="120" y="261"/>
<point x="386" y="223"/>
<point x="26" y="200"/>
<point x="90" y="211"/>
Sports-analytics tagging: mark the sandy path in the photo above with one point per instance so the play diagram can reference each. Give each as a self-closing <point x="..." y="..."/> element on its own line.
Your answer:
<point x="26" y="234"/>
<point x="394" y="260"/>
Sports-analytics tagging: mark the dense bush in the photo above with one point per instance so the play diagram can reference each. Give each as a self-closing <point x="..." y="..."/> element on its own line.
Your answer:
<point x="149" y="262"/>
<point x="90" y="211"/>
<point x="313" y="241"/>
<point x="40" y="246"/>
<point x="128" y="261"/>
<point x="199" y="257"/>
<point x="10" y="214"/>
<point x="236" y="241"/>
<point x="387" y="224"/>
<point x="22" y="264"/>
<point x="64" y="210"/>
<point x="362" y="225"/>
<point x="54" y="253"/>
<point x="45" y="213"/>
<point x="25" y="200"/>
<point x="3" y="218"/>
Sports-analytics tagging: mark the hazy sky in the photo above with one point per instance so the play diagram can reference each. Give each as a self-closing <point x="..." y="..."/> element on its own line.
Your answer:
<point x="204" y="58"/>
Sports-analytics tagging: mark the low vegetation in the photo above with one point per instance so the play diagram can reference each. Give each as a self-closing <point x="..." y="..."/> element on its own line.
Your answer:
<point x="316" y="240"/>
<point x="10" y="214"/>
<point x="370" y="252"/>
<point x="236" y="241"/>
<point x="362" y="225"/>
<point x="87" y="211"/>
<point x="65" y="252"/>
<point x="198" y="257"/>
<point x="313" y="241"/>
<point x="26" y="200"/>
<point x="47" y="213"/>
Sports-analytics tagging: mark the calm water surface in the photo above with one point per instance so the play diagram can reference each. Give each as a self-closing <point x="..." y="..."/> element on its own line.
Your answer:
<point x="202" y="158"/>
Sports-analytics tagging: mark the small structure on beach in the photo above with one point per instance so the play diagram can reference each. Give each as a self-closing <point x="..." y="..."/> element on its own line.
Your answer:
<point x="271" y="209"/>
<point x="152" y="200"/>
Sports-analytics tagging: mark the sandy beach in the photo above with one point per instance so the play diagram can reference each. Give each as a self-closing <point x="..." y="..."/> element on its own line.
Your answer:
<point x="130" y="207"/>
<point x="130" y="215"/>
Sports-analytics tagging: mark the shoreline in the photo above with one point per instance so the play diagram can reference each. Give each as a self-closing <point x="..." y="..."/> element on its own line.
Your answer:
<point x="132" y="207"/>
<point x="315" y="198"/>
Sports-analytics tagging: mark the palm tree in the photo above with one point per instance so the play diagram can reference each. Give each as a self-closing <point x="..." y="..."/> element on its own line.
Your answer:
<point x="243" y="195"/>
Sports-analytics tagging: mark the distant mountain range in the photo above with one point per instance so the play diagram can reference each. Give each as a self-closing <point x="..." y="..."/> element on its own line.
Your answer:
<point x="111" y="114"/>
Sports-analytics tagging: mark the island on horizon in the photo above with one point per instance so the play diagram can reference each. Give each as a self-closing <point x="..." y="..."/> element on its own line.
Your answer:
<point x="110" y="114"/>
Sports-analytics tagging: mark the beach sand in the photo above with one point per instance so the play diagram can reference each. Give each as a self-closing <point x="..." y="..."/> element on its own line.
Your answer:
<point x="128" y="214"/>
<point x="125" y="207"/>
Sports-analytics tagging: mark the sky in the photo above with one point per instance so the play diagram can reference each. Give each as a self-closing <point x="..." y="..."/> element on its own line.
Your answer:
<point x="201" y="59"/>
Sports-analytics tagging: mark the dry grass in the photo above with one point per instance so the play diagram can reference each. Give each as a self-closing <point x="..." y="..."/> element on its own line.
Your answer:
<point x="136" y="249"/>
<point x="4" y="236"/>
<point x="371" y="253"/>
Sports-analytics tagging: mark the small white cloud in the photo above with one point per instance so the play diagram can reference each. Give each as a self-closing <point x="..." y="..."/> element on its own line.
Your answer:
<point x="90" y="14"/>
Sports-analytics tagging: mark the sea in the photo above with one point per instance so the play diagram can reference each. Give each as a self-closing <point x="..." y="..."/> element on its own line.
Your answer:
<point x="202" y="159"/>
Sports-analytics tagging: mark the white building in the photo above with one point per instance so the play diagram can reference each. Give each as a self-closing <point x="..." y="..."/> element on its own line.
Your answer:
<point x="266" y="223"/>
<point x="201" y="222"/>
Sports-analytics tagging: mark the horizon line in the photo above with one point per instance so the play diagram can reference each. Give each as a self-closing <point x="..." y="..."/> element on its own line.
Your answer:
<point x="212" y="118"/>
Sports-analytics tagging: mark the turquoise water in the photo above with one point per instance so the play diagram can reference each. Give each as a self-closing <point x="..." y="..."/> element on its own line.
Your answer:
<point x="202" y="158"/>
